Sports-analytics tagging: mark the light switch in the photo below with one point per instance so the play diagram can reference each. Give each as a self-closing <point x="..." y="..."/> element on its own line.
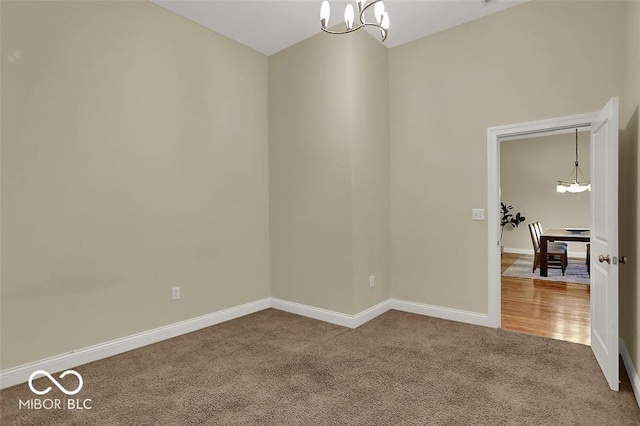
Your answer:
<point x="477" y="214"/>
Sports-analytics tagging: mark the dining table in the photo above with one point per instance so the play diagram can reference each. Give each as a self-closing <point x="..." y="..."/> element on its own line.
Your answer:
<point x="561" y="234"/>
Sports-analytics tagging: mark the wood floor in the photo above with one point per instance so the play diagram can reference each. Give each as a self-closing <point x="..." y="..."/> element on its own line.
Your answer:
<point x="545" y="308"/>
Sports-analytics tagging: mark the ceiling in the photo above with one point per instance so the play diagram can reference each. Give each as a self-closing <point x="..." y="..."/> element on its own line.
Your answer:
<point x="269" y="26"/>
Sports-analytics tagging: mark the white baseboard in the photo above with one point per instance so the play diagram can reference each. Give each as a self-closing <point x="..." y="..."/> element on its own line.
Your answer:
<point x="631" y="370"/>
<point x="20" y="374"/>
<point x="354" y="321"/>
<point x="517" y="250"/>
<point x="369" y="314"/>
<point x="576" y="254"/>
<point x="345" y="320"/>
<point x="440" y="312"/>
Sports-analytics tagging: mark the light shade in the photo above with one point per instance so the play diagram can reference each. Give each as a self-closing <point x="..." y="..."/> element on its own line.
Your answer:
<point x="575" y="188"/>
<point x="348" y="16"/>
<point x="385" y="21"/>
<point x="325" y="13"/>
<point x="378" y="11"/>
<point x="572" y="187"/>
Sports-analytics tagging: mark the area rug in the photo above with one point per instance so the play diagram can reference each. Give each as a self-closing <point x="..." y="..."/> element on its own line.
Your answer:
<point x="576" y="271"/>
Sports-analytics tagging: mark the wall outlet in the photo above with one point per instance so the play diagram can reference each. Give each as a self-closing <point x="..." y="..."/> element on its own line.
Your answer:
<point x="477" y="214"/>
<point x="175" y="293"/>
<point x="372" y="281"/>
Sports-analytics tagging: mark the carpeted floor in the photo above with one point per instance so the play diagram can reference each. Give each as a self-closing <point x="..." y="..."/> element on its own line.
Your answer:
<point x="275" y="368"/>
<point x="576" y="271"/>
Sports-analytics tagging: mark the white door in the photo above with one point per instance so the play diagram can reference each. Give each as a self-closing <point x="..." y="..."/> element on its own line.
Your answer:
<point x="604" y="241"/>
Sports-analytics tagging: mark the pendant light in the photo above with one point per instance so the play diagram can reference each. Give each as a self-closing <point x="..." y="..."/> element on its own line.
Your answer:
<point x="573" y="184"/>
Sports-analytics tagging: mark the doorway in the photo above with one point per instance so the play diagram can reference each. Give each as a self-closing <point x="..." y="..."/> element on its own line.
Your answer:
<point x="557" y="306"/>
<point x="494" y="137"/>
<point x="603" y="240"/>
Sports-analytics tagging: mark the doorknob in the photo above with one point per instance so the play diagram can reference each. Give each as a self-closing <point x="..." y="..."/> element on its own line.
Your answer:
<point x="603" y="259"/>
<point x="623" y="259"/>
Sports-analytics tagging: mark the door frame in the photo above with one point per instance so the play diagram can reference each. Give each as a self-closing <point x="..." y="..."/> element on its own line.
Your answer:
<point x="494" y="136"/>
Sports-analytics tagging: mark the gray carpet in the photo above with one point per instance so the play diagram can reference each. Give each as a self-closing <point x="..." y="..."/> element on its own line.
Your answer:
<point x="275" y="368"/>
<point x="576" y="271"/>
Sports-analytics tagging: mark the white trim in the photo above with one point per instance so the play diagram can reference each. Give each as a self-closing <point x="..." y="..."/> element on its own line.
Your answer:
<point x="561" y="131"/>
<point x="333" y="317"/>
<point x="20" y="374"/>
<point x="493" y="222"/>
<point x="354" y="321"/>
<point x="372" y="312"/>
<point x="494" y="136"/>
<point x="574" y="254"/>
<point x="441" y="312"/>
<point x="542" y="127"/>
<point x="631" y="370"/>
<point x="517" y="250"/>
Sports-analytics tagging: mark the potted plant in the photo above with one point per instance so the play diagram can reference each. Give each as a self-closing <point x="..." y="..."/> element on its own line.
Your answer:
<point x="509" y="219"/>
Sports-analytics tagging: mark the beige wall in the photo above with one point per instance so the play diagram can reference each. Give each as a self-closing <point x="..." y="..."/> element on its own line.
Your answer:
<point x="534" y="61"/>
<point x="329" y="172"/>
<point x="529" y="169"/>
<point x="134" y="159"/>
<point x="630" y="186"/>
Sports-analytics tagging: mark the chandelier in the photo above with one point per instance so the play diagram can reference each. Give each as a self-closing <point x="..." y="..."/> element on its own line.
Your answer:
<point x="572" y="184"/>
<point x="379" y="13"/>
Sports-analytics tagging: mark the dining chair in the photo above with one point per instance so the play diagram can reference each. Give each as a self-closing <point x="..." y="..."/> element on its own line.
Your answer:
<point x="589" y="259"/>
<point x="539" y="232"/>
<point x="556" y="253"/>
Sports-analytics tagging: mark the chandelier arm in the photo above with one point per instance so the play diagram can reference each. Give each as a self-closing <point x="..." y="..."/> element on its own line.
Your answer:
<point x="363" y="23"/>
<point x="582" y="176"/>
<point x="568" y="181"/>
<point x="367" y="6"/>
<point x="326" y="30"/>
<point x="380" y="27"/>
<point x="366" y="24"/>
<point x="573" y="173"/>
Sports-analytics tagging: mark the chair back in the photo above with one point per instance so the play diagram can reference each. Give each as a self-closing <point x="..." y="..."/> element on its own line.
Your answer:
<point x="538" y="227"/>
<point x="535" y="238"/>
